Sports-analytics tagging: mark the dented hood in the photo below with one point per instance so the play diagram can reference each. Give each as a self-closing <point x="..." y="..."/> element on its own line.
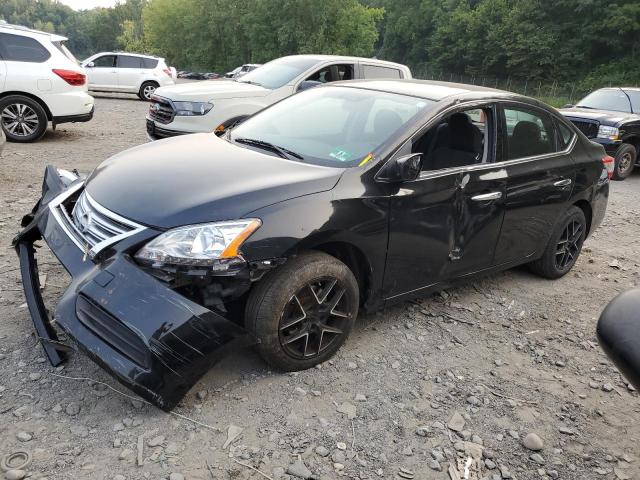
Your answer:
<point x="211" y="90"/>
<point x="200" y="178"/>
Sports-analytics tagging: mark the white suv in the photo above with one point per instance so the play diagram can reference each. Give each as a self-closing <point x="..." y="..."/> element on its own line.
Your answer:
<point x="128" y="73"/>
<point x="217" y="105"/>
<point x="40" y="82"/>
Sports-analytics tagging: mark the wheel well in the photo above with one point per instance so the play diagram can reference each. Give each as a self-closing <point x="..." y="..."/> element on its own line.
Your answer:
<point x="635" y="141"/>
<point x="353" y="258"/>
<point x="32" y="97"/>
<point x="586" y="209"/>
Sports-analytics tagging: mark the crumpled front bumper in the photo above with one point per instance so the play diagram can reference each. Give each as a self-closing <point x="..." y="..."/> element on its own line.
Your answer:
<point x="148" y="336"/>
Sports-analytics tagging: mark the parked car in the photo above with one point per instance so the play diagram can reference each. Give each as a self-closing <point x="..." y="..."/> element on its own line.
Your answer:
<point x="128" y="73"/>
<point x="619" y="334"/>
<point x="212" y="76"/>
<point x="341" y="199"/>
<point x="611" y="117"/>
<point x="242" y="70"/>
<point x="40" y="82"/>
<point x="217" y="106"/>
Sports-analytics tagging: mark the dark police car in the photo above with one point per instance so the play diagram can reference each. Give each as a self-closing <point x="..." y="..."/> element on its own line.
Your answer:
<point x="610" y="116"/>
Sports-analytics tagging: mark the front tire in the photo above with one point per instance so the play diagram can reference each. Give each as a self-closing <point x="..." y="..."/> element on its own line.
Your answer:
<point x="146" y="90"/>
<point x="302" y="312"/>
<point x="625" y="161"/>
<point x="22" y="118"/>
<point x="564" y="246"/>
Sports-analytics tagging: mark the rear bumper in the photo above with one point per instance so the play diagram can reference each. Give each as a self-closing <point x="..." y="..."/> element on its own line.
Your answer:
<point x="84" y="117"/>
<point x="149" y="337"/>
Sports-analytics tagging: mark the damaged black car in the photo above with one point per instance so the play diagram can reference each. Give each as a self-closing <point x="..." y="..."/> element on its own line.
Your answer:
<point x="338" y="200"/>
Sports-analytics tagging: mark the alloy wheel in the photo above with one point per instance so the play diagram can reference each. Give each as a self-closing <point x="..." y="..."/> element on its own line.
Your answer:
<point x="312" y="319"/>
<point x="568" y="246"/>
<point x="19" y="119"/>
<point x="147" y="91"/>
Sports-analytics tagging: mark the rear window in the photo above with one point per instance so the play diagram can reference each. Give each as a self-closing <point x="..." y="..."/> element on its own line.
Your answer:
<point x="149" y="63"/>
<point x="17" y="48"/>
<point x="127" y="61"/>
<point x="63" y="48"/>
<point x="376" y="71"/>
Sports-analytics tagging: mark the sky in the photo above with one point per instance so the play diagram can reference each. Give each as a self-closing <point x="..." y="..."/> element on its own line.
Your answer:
<point x="86" y="4"/>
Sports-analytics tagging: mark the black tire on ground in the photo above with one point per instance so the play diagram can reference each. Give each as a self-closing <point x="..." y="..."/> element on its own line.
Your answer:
<point x="564" y="246"/>
<point x="303" y="311"/>
<point x="625" y="161"/>
<point x="22" y="118"/>
<point x="146" y="90"/>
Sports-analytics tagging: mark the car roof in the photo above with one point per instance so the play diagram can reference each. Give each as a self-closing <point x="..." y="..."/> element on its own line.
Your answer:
<point x="633" y="89"/>
<point x="427" y="89"/>
<point x="129" y="53"/>
<point x="324" y="58"/>
<point x="20" y="29"/>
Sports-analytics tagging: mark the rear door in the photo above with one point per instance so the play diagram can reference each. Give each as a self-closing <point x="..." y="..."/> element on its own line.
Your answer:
<point x="103" y="75"/>
<point x="373" y="71"/>
<point x="131" y="73"/>
<point x="540" y="177"/>
<point x="3" y="74"/>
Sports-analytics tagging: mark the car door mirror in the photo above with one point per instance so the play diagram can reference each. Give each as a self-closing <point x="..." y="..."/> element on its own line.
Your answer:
<point x="401" y="169"/>
<point x="90" y="65"/>
<point x="307" y="84"/>
<point x="619" y="334"/>
<point x="568" y="105"/>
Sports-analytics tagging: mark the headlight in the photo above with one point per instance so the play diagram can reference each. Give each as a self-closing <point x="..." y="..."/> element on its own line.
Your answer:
<point x="191" y="109"/>
<point x="612" y="133"/>
<point x="199" y="245"/>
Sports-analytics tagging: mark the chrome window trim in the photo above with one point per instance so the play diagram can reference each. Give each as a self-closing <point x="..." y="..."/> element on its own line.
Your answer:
<point x="67" y="225"/>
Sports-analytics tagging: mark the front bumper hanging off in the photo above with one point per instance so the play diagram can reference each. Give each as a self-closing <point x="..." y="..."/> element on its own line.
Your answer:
<point x="149" y="337"/>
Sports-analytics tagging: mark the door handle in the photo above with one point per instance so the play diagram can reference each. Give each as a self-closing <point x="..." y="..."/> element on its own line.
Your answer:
<point x="562" y="183"/>
<point x="485" y="197"/>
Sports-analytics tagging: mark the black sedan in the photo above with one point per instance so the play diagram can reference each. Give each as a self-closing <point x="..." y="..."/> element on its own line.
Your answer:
<point x="611" y="117"/>
<point x="340" y="199"/>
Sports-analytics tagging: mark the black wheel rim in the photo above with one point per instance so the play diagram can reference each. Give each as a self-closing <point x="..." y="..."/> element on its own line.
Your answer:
<point x="625" y="163"/>
<point x="19" y="119"/>
<point x="315" y="318"/>
<point x="568" y="246"/>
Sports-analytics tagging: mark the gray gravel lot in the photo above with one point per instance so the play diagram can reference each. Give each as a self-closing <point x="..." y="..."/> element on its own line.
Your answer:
<point x="468" y="372"/>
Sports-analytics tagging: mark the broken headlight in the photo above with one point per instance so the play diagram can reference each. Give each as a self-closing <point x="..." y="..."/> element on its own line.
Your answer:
<point x="199" y="245"/>
<point x="190" y="109"/>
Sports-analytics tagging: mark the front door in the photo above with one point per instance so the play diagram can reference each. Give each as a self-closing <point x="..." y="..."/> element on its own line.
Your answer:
<point x="446" y="223"/>
<point x="103" y="74"/>
<point x="540" y="175"/>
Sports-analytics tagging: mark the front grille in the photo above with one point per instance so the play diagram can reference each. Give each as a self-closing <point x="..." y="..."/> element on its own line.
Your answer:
<point x="112" y="331"/>
<point x="161" y="110"/>
<point x="590" y="129"/>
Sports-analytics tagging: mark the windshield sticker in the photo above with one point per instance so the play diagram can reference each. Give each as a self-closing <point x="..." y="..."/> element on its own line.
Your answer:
<point x="365" y="159"/>
<point x="341" y="155"/>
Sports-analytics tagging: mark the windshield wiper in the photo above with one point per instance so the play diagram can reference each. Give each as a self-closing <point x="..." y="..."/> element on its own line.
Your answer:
<point x="250" y="82"/>
<point x="585" y="106"/>
<point x="283" y="152"/>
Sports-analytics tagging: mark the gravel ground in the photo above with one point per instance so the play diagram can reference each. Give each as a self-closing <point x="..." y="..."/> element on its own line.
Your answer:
<point x="469" y="372"/>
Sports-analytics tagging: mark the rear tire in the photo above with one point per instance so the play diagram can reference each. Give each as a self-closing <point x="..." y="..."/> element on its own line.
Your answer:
<point x="625" y="161"/>
<point x="564" y="246"/>
<point x="22" y="118"/>
<point x="146" y="90"/>
<point x="302" y="312"/>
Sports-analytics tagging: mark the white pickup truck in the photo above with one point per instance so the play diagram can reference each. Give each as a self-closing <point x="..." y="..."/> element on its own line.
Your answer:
<point x="216" y="105"/>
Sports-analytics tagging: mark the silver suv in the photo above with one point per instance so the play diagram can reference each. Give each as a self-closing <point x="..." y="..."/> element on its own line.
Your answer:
<point x="128" y="73"/>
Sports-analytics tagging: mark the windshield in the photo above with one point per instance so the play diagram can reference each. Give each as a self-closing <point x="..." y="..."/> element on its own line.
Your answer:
<point x="279" y="72"/>
<point x="63" y="48"/>
<point x="607" y="99"/>
<point x="331" y="126"/>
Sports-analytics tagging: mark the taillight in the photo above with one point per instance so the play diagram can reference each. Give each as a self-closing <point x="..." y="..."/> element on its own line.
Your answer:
<point x="72" y="78"/>
<point x="167" y="71"/>
<point x="610" y="164"/>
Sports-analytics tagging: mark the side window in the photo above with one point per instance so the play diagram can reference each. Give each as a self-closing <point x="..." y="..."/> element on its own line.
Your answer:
<point x="126" y="61"/>
<point x="565" y="135"/>
<point x="377" y="71"/>
<point x="106" y="61"/>
<point x="458" y="140"/>
<point x="149" y="63"/>
<point x="529" y="133"/>
<point x="333" y="73"/>
<point x="17" y="48"/>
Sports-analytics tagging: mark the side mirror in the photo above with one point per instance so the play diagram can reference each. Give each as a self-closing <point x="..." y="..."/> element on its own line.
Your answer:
<point x="90" y="65"/>
<point x="568" y="105"/>
<point x="307" y="84"/>
<point x="401" y="169"/>
<point x="619" y="334"/>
